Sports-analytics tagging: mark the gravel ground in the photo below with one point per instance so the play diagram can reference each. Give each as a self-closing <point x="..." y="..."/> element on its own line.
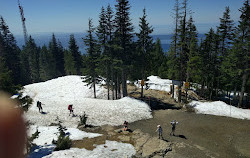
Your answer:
<point x="199" y="135"/>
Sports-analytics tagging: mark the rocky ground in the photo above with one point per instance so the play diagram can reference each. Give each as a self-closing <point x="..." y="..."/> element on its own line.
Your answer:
<point x="197" y="135"/>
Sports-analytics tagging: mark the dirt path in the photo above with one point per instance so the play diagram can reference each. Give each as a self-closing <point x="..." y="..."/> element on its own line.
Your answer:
<point x="206" y="135"/>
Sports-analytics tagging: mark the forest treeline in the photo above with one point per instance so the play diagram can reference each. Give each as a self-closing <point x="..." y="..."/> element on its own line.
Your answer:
<point x="219" y="62"/>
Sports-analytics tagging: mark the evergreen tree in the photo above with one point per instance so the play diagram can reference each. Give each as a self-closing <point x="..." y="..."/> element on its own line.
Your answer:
<point x="31" y="53"/>
<point x="123" y="37"/>
<point x="173" y="57"/>
<point x="183" y="55"/>
<point x="194" y="58"/>
<point x="157" y="58"/>
<point x="225" y="31"/>
<point x="57" y="57"/>
<point x="69" y="63"/>
<point x="10" y="53"/>
<point x="91" y="75"/>
<point x="144" y="44"/>
<point x="102" y="34"/>
<point x="241" y="52"/>
<point x="102" y="30"/>
<point x="44" y="64"/>
<point x="6" y="83"/>
<point x="77" y="58"/>
<point x="110" y="49"/>
<point x="210" y="62"/>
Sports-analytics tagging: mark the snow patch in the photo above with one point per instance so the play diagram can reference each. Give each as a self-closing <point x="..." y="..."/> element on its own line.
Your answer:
<point x="111" y="149"/>
<point x="221" y="109"/>
<point x="47" y="134"/>
<point x="58" y="93"/>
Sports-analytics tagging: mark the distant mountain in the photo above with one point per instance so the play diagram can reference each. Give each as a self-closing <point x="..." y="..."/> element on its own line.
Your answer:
<point x="44" y="38"/>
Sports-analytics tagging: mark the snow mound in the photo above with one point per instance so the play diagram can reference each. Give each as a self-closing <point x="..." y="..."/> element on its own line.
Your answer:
<point x="66" y="88"/>
<point x="221" y="109"/>
<point x="47" y="134"/>
<point x="155" y="82"/>
<point x="57" y="94"/>
<point x="111" y="149"/>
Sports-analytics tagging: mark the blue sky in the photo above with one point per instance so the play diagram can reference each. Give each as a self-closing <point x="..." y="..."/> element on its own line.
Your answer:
<point x="72" y="15"/>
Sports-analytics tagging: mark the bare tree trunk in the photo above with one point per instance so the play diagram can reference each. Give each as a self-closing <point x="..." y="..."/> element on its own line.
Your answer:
<point x="124" y="83"/>
<point x="94" y="89"/>
<point x="119" y="88"/>
<point x="112" y="82"/>
<point x="107" y="80"/>
<point x="234" y="97"/>
<point x="244" y="79"/>
<point x="116" y="88"/>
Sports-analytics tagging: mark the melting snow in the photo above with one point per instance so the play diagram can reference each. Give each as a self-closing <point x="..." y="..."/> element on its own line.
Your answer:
<point x="58" y="93"/>
<point x="221" y="109"/>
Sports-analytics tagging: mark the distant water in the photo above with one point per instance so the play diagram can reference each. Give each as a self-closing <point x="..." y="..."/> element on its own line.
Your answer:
<point x="44" y="38"/>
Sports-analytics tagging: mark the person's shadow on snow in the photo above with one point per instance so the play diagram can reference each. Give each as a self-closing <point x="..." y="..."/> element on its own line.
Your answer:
<point x="44" y="113"/>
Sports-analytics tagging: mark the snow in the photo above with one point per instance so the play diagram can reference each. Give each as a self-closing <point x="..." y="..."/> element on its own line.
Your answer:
<point x="44" y="146"/>
<point x="57" y="94"/>
<point x="111" y="149"/>
<point x="156" y="83"/>
<point x="47" y="134"/>
<point x="221" y="109"/>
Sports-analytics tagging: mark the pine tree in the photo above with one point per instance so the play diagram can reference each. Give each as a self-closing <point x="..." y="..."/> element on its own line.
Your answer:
<point x="183" y="55"/>
<point x="210" y="62"/>
<point x="44" y="64"/>
<point x="110" y="47"/>
<point x="241" y="48"/>
<point x="69" y="63"/>
<point x="102" y="34"/>
<point x="93" y="54"/>
<point x="157" y="58"/>
<point x="225" y="31"/>
<point x="11" y="52"/>
<point x="6" y="83"/>
<point x="173" y="57"/>
<point x="77" y="58"/>
<point x="144" y="44"/>
<point x="194" y="57"/>
<point x="31" y="52"/>
<point x="123" y="37"/>
<point x="57" y="57"/>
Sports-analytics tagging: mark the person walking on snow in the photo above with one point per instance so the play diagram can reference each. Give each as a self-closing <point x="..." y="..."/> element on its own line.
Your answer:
<point x="70" y="108"/>
<point x="173" y="123"/>
<point x="159" y="130"/>
<point x="39" y="105"/>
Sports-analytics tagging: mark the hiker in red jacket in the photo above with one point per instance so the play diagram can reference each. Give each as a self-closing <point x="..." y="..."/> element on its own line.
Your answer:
<point x="70" y="108"/>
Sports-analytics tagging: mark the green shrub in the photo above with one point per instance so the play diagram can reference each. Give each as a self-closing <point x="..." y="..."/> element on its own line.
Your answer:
<point x="83" y="119"/>
<point x="63" y="142"/>
<point x="30" y="140"/>
<point x="25" y="101"/>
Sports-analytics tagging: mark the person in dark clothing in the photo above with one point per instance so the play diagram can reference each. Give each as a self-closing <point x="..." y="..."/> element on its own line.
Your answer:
<point x="173" y="123"/>
<point x="39" y="105"/>
<point x="159" y="130"/>
<point x="70" y="108"/>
